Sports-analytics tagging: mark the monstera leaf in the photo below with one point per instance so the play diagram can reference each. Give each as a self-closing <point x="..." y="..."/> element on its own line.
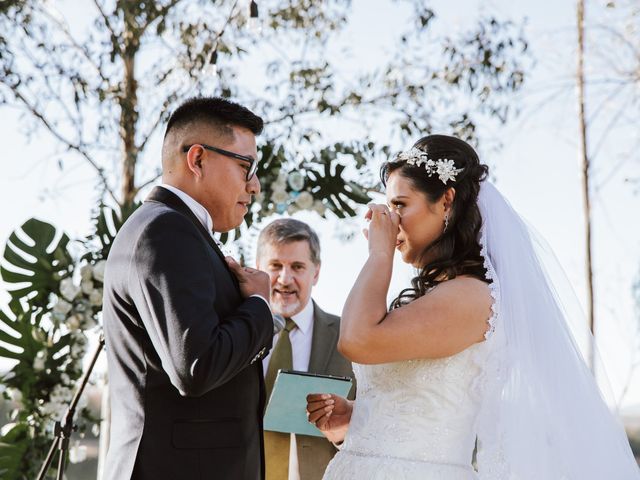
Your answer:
<point x="107" y="223"/>
<point x="36" y="264"/>
<point x="341" y="195"/>
<point x="18" y="333"/>
<point x="13" y="446"/>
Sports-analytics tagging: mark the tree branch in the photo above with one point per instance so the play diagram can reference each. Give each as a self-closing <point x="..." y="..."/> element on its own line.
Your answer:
<point x="71" y="146"/>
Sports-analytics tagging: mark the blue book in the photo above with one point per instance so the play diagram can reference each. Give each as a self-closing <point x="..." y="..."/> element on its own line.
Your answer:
<point x="287" y="408"/>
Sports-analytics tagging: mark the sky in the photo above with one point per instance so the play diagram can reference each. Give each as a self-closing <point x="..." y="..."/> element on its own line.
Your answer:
<point x="537" y="169"/>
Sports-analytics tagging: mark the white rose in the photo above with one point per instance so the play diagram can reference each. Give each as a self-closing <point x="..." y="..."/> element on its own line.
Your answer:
<point x="77" y="453"/>
<point x="296" y="180"/>
<point x="279" y="196"/>
<point x="282" y="179"/>
<point x="319" y="207"/>
<point x="86" y="286"/>
<point x="86" y="272"/>
<point x="73" y="322"/>
<point x="98" y="270"/>
<point x="38" y="364"/>
<point x="95" y="297"/>
<point x="304" y="200"/>
<point x="62" y="307"/>
<point x="68" y="289"/>
<point x="15" y="395"/>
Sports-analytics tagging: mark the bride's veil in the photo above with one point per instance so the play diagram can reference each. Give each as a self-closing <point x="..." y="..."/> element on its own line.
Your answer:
<point x="542" y="416"/>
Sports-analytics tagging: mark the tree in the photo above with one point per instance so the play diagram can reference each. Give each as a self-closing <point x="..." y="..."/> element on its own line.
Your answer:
<point x="104" y="85"/>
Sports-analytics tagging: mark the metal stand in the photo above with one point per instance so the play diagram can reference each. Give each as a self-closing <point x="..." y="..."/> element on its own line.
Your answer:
<point x="64" y="428"/>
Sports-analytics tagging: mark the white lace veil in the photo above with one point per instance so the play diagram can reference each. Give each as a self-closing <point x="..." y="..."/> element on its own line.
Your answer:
<point x="543" y="416"/>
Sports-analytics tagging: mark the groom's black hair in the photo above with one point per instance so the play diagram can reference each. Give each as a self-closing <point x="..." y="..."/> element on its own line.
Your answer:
<point x="217" y="111"/>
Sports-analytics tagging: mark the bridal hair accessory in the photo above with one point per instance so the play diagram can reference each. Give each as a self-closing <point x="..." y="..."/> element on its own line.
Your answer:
<point x="443" y="167"/>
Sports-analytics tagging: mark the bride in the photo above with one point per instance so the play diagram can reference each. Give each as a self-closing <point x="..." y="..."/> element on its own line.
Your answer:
<point x="472" y="373"/>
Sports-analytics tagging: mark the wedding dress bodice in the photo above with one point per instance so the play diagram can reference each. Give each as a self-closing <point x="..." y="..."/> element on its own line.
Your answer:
<point x="414" y="419"/>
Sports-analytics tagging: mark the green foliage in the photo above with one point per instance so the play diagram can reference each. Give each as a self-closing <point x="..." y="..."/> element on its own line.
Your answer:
<point x="42" y="331"/>
<point x="43" y="265"/>
<point x="69" y="73"/>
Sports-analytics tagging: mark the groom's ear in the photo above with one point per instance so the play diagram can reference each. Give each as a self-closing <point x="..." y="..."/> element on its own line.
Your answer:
<point x="194" y="160"/>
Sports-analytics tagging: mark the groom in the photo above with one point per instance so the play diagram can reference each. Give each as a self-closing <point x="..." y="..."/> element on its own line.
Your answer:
<point x="185" y="330"/>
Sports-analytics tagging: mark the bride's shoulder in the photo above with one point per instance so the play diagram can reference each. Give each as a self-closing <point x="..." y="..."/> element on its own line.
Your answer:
<point x="468" y="295"/>
<point x="463" y="285"/>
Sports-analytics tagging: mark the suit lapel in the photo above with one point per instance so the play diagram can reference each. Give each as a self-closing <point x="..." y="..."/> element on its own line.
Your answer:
<point x="162" y="195"/>
<point x="323" y="343"/>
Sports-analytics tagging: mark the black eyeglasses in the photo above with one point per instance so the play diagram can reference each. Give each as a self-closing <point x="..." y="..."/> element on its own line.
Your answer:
<point x="253" y="163"/>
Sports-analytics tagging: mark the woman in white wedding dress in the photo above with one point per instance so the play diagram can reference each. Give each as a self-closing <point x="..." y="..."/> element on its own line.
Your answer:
<point x="476" y="355"/>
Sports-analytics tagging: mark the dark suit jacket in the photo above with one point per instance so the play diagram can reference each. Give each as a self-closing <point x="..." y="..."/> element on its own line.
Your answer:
<point x="315" y="453"/>
<point x="183" y="350"/>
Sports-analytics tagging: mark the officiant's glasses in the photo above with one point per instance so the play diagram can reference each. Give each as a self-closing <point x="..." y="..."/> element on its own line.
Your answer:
<point x="253" y="163"/>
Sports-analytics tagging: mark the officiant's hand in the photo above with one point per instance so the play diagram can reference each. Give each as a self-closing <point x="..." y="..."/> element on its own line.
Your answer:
<point x="330" y="413"/>
<point x="252" y="281"/>
<point x="383" y="230"/>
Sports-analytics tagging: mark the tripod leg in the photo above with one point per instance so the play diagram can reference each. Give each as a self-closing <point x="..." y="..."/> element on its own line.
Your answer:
<point x="62" y="458"/>
<point x="48" y="460"/>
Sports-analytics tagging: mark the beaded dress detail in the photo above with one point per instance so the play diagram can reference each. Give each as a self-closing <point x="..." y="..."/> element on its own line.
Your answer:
<point x="414" y="420"/>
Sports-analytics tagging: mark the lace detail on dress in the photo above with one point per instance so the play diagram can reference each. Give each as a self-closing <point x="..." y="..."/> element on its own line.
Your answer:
<point x="494" y="288"/>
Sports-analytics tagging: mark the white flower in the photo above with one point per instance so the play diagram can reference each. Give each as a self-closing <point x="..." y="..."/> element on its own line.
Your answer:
<point x="15" y="395"/>
<point x="62" y="307"/>
<point x="66" y="380"/>
<point x="98" y="270"/>
<point x="292" y="208"/>
<point x="73" y="322"/>
<point x="68" y="289"/>
<point x="86" y="272"/>
<point x="38" y="363"/>
<point x="95" y="429"/>
<point x="319" y="207"/>
<point x="95" y="297"/>
<point x="296" y="180"/>
<point x="77" y="453"/>
<point x="304" y="200"/>
<point x="86" y="286"/>
<point x="446" y="170"/>
<point x="279" y="196"/>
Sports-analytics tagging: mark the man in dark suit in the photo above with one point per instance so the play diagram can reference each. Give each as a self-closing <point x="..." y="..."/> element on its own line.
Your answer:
<point x="289" y="251"/>
<point x="186" y="329"/>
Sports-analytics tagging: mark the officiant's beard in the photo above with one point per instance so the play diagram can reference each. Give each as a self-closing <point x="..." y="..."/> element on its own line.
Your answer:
<point x="285" y="309"/>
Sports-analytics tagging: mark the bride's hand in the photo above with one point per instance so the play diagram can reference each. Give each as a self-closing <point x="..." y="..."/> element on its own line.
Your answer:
<point x="330" y="413"/>
<point x="383" y="229"/>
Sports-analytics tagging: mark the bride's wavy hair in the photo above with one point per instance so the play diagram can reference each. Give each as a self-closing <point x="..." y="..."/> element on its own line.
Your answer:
<point x="457" y="250"/>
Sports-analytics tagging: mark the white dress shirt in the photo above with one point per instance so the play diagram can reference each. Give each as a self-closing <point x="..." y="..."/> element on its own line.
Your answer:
<point x="301" y="338"/>
<point x="205" y="219"/>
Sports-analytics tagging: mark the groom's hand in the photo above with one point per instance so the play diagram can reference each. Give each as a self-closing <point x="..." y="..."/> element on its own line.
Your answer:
<point x="252" y="281"/>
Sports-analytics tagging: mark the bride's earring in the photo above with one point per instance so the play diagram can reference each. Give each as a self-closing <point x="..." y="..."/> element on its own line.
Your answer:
<point x="446" y="222"/>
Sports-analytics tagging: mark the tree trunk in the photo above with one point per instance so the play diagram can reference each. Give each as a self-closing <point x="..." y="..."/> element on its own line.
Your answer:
<point x="129" y="110"/>
<point x="585" y="177"/>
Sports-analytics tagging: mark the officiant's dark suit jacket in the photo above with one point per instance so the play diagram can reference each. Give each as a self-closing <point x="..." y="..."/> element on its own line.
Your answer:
<point x="183" y="351"/>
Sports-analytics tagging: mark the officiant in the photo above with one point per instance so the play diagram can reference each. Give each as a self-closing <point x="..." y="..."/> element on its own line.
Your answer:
<point x="289" y="251"/>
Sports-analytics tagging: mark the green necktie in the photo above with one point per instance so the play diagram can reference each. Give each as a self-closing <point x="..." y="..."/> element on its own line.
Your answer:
<point x="276" y="444"/>
<point x="281" y="357"/>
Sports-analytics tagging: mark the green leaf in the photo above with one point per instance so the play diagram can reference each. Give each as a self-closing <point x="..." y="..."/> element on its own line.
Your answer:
<point x="17" y="333"/>
<point x="13" y="447"/>
<point x="44" y="262"/>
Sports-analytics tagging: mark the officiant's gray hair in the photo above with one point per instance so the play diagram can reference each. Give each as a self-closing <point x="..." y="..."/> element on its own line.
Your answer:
<point x="288" y="230"/>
